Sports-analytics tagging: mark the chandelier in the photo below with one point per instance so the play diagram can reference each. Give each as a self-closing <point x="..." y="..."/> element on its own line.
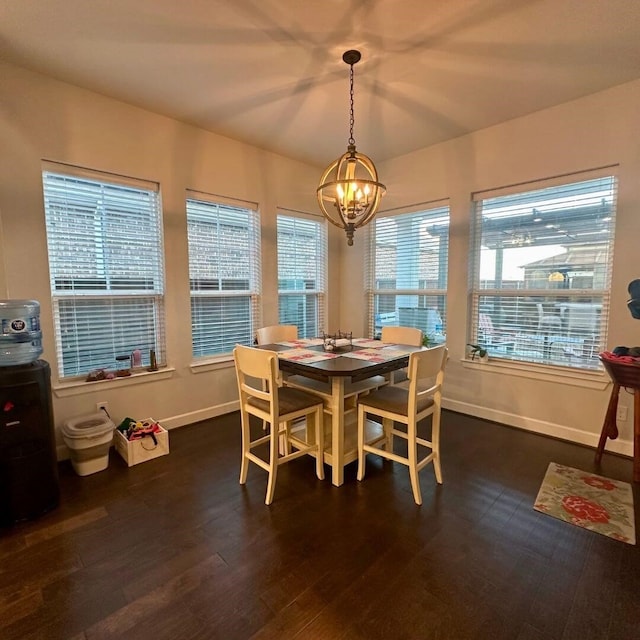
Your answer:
<point x="349" y="192"/>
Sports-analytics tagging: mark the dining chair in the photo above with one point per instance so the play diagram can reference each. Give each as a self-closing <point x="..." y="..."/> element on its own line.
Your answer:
<point x="278" y="407"/>
<point x="407" y="406"/>
<point x="277" y="333"/>
<point x="401" y="335"/>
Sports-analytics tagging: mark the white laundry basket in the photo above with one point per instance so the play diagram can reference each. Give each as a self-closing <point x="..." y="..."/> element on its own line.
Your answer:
<point x="88" y="439"/>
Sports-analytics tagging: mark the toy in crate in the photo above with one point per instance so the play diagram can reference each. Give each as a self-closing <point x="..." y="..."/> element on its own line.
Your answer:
<point x="141" y="440"/>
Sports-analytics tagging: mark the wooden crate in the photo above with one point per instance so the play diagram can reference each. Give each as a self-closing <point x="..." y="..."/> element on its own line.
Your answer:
<point x="137" y="451"/>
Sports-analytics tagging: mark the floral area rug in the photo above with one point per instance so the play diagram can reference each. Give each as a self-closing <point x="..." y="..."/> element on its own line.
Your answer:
<point x="589" y="501"/>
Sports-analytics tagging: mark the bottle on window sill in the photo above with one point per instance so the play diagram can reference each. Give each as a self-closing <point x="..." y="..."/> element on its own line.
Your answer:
<point x="123" y="366"/>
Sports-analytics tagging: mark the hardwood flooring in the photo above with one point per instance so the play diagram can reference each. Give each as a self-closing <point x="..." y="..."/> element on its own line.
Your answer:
<point x="176" y="549"/>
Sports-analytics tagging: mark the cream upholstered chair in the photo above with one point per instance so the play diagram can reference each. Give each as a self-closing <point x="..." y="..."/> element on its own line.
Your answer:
<point x="277" y="333"/>
<point x="407" y="406"/>
<point x="257" y="370"/>
<point x="401" y="335"/>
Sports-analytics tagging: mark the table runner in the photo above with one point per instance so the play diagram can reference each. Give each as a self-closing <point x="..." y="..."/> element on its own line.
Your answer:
<point x="376" y="355"/>
<point x="368" y="343"/>
<point x="305" y="355"/>
<point x="302" y="342"/>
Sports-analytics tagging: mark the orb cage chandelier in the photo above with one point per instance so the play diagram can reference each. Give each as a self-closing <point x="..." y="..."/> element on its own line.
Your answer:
<point x="349" y="193"/>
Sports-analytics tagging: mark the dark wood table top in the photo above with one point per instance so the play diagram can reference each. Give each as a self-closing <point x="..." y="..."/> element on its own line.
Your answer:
<point x="353" y="368"/>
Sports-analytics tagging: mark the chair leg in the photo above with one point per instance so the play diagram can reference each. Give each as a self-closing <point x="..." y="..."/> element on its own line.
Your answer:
<point x="387" y="428"/>
<point x="284" y="446"/>
<point x="361" y="454"/>
<point x="318" y="419"/>
<point x="412" y="454"/>
<point x="246" y="445"/>
<point x="273" y="465"/>
<point x="435" y="444"/>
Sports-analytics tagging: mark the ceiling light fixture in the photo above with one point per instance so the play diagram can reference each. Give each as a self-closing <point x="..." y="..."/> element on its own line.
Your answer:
<point x="349" y="193"/>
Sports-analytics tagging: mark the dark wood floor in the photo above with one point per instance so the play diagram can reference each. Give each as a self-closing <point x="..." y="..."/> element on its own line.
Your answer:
<point x="175" y="548"/>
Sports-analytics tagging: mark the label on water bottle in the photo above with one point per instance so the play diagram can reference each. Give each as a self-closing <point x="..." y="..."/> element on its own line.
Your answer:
<point x="17" y="325"/>
<point x="20" y="325"/>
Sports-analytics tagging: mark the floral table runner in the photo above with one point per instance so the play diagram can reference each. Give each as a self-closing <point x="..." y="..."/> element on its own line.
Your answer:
<point x="305" y="355"/>
<point x="376" y="355"/>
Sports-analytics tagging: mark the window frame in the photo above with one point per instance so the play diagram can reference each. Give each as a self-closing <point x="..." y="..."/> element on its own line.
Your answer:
<point x="319" y="291"/>
<point x="560" y="298"/>
<point x="435" y="327"/>
<point x="215" y="205"/>
<point x="101" y="197"/>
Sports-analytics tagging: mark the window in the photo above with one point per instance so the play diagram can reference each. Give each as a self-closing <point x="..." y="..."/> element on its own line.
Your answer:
<point x="224" y="273"/>
<point x="302" y="267"/>
<point x="407" y="271"/>
<point x="104" y="239"/>
<point x="541" y="275"/>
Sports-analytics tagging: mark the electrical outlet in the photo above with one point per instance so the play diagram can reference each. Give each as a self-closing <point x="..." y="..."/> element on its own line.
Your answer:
<point x="102" y="406"/>
<point x="621" y="414"/>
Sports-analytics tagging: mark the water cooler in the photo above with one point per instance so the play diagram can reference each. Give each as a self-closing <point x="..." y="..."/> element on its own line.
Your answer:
<point x="28" y="464"/>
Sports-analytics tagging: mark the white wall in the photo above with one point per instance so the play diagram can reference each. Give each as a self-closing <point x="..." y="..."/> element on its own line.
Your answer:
<point x="596" y="131"/>
<point x="41" y="118"/>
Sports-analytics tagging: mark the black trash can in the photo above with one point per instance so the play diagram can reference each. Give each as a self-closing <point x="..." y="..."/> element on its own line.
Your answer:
<point x="28" y="465"/>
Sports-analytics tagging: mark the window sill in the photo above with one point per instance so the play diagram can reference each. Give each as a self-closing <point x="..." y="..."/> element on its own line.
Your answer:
<point x="213" y="364"/>
<point x="558" y="375"/>
<point x="68" y="389"/>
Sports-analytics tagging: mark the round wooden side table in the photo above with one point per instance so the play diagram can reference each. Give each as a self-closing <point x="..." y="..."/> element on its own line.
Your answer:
<point x="623" y="375"/>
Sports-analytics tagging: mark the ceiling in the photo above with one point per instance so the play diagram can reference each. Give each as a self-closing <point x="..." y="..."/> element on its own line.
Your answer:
<point x="270" y="72"/>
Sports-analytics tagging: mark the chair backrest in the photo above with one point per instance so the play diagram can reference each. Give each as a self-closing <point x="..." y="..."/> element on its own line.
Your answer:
<point x="428" y="363"/>
<point x="583" y="317"/>
<point x="257" y="374"/>
<point x="485" y="324"/>
<point x="277" y="333"/>
<point x="402" y="335"/>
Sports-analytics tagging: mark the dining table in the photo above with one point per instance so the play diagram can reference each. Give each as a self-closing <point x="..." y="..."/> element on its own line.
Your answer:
<point x="340" y="373"/>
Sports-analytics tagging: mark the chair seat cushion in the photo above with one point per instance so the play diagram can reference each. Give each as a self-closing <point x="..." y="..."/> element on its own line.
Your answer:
<point x="394" y="399"/>
<point x="289" y="399"/>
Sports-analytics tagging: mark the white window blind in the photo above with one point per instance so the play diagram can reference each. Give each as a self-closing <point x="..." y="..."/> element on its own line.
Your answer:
<point x="104" y="239"/>
<point x="302" y="268"/>
<point x="406" y="270"/>
<point x="542" y="260"/>
<point x="224" y="273"/>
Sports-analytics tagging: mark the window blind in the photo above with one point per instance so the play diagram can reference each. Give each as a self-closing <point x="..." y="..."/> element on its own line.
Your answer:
<point x="541" y="270"/>
<point x="406" y="269"/>
<point x="104" y="241"/>
<point x="224" y="274"/>
<point x="302" y="268"/>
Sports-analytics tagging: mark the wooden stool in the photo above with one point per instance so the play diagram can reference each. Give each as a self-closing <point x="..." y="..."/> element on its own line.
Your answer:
<point x="627" y="375"/>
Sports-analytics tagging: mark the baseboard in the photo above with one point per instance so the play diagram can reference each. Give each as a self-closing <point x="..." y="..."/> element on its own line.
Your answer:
<point x="184" y="419"/>
<point x="620" y="446"/>
<point x="174" y="422"/>
<point x="562" y="432"/>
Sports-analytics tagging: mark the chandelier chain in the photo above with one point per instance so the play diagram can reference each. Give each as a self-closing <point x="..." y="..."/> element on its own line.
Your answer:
<point x="351" y="117"/>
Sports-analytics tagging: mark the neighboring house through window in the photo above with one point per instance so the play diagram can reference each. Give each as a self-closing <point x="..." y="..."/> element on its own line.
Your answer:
<point x="302" y="268"/>
<point x="406" y="270"/>
<point x="224" y="273"/>
<point x="541" y="270"/>
<point x="104" y="238"/>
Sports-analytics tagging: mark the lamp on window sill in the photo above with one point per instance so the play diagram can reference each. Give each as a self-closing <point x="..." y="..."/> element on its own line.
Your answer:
<point x="349" y="193"/>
